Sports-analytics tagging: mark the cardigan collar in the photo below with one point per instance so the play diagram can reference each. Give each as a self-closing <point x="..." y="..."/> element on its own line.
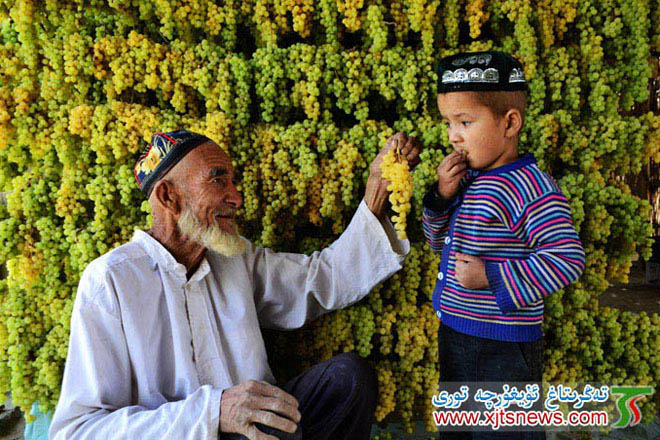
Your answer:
<point x="527" y="159"/>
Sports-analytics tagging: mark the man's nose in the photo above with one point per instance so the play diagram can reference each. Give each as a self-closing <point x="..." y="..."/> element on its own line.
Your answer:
<point x="234" y="197"/>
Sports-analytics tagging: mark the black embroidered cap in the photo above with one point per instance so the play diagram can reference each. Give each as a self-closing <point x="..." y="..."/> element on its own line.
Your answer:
<point x="480" y="71"/>
<point x="165" y="151"/>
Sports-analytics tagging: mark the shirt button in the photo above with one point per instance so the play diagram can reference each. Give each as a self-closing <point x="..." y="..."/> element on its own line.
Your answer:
<point x="440" y="276"/>
<point x="447" y="240"/>
<point x="438" y="314"/>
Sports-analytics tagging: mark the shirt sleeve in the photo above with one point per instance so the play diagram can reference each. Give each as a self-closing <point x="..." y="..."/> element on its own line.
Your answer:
<point x="291" y="289"/>
<point x="556" y="260"/>
<point x="95" y="399"/>
<point x="435" y="217"/>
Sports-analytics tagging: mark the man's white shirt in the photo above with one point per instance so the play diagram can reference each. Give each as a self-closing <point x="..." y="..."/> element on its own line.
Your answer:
<point x="150" y="352"/>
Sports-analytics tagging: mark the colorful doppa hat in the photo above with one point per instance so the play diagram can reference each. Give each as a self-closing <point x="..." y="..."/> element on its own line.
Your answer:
<point x="165" y="150"/>
<point x="480" y="71"/>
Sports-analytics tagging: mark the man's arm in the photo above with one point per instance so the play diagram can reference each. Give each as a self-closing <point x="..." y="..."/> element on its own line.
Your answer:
<point x="291" y="289"/>
<point x="95" y="400"/>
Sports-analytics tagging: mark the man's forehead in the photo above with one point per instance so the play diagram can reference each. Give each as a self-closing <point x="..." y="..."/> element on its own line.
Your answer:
<point x="209" y="159"/>
<point x="197" y="164"/>
<point x="210" y="152"/>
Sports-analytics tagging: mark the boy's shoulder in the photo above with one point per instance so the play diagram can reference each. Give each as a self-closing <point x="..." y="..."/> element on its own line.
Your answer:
<point x="523" y="183"/>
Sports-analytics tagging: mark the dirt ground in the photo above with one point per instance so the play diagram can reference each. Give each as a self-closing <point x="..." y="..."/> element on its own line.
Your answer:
<point x="637" y="295"/>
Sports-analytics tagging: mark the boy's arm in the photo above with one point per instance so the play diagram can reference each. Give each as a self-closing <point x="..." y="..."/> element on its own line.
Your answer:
<point x="435" y="217"/>
<point x="557" y="259"/>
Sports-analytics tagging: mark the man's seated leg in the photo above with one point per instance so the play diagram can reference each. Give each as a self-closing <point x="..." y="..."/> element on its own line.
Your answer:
<point x="337" y="398"/>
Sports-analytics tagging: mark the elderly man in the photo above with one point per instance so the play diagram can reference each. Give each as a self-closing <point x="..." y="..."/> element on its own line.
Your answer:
<point x="165" y="332"/>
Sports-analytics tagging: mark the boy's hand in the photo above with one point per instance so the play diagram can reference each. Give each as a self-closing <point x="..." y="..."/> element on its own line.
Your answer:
<point x="471" y="272"/>
<point x="450" y="172"/>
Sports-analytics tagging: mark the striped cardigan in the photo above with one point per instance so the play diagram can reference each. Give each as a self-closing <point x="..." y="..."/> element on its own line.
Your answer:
<point x="516" y="219"/>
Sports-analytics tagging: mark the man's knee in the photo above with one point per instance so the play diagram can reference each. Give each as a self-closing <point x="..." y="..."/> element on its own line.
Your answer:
<point x="355" y="371"/>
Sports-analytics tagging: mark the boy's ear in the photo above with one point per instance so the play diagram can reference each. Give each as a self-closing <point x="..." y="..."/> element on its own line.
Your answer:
<point x="512" y="123"/>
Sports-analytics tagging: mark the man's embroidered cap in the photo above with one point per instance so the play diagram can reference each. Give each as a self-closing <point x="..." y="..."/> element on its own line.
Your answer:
<point x="480" y="71"/>
<point x="165" y="150"/>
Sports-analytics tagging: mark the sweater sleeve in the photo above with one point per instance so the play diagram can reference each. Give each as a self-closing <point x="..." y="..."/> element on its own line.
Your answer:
<point x="555" y="261"/>
<point x="435" y="217"/>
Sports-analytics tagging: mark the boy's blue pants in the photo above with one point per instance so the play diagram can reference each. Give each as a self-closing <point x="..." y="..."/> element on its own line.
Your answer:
<point x="466" y="358"/>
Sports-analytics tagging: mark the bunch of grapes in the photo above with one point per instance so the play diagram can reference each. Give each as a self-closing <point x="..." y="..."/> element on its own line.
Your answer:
<point x="397" y="171"/>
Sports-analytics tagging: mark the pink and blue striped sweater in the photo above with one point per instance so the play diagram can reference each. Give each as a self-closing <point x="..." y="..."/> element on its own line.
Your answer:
<point x="517" y="220"/>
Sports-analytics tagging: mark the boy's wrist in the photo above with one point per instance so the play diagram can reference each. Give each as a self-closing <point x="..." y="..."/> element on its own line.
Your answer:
<point x="434" y="201"/>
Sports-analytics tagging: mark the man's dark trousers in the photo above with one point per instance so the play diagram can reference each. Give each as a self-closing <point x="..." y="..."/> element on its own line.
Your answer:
<point x="337" y="400"/>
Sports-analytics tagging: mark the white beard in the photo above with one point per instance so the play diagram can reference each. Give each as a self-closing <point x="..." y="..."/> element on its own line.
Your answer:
<point x="210" y="236"/>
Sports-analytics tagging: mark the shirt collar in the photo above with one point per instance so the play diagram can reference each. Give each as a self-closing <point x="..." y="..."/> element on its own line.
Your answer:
<point x="161" y="256"/>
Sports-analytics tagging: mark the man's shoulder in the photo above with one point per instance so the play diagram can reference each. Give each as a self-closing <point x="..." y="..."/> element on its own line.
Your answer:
<point x="126" y="260"/>
<point x="127" y="254"/>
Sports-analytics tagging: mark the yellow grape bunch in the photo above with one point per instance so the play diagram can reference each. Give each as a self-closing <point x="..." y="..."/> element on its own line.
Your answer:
<point x="396" y="170"/>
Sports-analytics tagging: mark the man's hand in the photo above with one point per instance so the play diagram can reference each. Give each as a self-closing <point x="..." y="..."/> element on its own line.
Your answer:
<point x="409" y="147"/>
<point x="257" y="402"/>
<point x="376" y="193"/>
<point x="471" y="272"/>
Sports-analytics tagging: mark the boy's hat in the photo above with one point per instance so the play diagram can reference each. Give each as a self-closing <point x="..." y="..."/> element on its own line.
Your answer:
<point x="480" y="71"/>
<point x="165" y="150"/>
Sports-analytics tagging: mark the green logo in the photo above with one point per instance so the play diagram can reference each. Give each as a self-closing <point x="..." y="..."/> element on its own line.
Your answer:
<point x="630" y="415"/>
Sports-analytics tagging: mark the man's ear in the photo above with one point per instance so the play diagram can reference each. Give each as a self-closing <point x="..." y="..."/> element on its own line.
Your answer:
<point x="512" y="123"/>
<point x="167" y="194"/>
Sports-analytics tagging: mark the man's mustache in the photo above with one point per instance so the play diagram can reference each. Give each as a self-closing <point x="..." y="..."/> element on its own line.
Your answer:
<point x="230" y="213"/>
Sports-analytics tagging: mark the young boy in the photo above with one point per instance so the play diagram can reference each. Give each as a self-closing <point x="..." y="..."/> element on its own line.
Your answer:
<point x="503" y="226"/>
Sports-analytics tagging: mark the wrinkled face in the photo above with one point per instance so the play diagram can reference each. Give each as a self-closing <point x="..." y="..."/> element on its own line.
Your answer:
<point x="474" y="128"/>
<point x="210" y="186"/>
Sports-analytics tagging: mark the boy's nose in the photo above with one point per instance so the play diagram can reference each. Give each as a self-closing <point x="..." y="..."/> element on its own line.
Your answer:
<point x="454" y="136"/>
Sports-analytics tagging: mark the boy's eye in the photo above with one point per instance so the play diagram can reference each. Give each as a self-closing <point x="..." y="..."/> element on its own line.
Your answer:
<point x="466" y="123"/>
